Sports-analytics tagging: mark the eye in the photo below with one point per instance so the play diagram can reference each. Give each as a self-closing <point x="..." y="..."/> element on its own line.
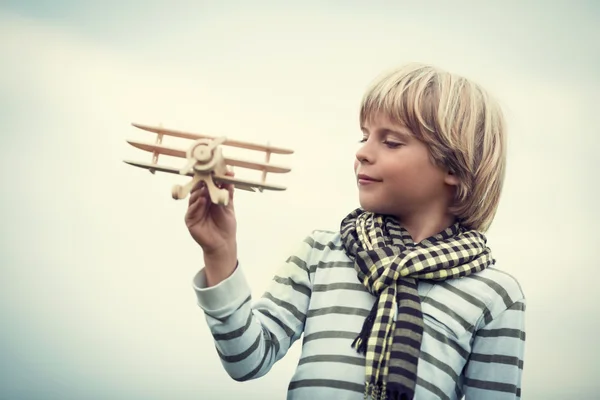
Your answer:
<point x="363" y="140"/>
<point x="392" y="145"/>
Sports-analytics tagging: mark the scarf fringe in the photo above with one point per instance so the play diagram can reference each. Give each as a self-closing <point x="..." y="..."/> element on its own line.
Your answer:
<point x="361" y="341"/>
<point x="381" y="392"/>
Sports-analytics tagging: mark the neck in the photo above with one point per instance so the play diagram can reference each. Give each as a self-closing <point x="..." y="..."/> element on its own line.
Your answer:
<point x="423" y="225"/>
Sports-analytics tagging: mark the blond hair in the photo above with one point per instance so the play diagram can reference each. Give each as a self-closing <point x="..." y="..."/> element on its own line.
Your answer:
<point x="461" y="124"/>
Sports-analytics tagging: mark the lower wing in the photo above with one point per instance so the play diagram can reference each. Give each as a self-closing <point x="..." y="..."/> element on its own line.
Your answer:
<point x="237" y="182"/>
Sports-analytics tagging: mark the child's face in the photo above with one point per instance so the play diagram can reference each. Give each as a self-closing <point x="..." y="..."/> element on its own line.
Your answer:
<point x="404" y="179"/>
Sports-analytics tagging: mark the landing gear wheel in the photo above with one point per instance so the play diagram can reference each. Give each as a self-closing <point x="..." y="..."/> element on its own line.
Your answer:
<point x="176" y="192"/>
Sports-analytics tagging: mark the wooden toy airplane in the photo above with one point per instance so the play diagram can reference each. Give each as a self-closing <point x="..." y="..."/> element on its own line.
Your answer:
<point x="206" y="162"/>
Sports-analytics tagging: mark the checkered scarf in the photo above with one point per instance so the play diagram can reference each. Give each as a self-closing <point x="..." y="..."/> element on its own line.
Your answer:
<point x="390" y="264"/>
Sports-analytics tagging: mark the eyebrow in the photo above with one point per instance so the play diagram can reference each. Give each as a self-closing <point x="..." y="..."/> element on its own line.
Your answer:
<point x="387" y="131"/>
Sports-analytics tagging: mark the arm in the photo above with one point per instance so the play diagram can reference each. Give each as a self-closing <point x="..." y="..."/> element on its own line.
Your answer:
<point x="495" y="367"/>
<point x="251" y="338"/>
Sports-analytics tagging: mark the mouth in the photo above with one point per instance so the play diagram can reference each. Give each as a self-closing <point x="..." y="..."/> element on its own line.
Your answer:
<point x="364" y="179"/>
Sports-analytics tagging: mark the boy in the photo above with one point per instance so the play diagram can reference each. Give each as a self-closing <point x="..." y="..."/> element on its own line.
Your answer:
<point x="404" y="301"/>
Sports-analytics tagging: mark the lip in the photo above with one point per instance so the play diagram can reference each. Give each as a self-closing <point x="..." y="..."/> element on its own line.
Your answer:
<point x="364" y="179"/>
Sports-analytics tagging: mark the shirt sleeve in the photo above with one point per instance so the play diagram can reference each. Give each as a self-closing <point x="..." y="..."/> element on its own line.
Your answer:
<point x="495" y="367"/>
<point x="250" y="338"/>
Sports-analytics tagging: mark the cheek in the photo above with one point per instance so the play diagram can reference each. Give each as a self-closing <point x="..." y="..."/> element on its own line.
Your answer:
<point x="414" y="173"/>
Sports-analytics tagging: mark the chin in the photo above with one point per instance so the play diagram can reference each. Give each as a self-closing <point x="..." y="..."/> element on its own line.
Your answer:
<point x="374" y="206"/>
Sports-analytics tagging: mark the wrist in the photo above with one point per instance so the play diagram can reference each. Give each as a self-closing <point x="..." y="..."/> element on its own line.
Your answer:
<point x="219" y="265"/>
<point x="220" y="261"/>
<point x="219" y="255"/>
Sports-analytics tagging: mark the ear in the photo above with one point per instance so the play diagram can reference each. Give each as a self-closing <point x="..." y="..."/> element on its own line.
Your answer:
<point x="451" y="179"/>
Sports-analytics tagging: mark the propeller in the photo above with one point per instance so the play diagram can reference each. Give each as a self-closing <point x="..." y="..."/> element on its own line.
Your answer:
<point x="201" y="152"/>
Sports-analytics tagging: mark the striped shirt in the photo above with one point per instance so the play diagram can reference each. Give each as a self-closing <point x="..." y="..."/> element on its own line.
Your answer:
<point x="473" y="343"/>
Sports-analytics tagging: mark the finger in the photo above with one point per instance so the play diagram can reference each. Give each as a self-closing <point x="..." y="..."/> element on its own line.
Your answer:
<point x="198" y="195"/>
<point x="198" y="185"/>
<point x="199" y="190"/>
<point x="196" y="199"/>
<point x="196" y="209"/>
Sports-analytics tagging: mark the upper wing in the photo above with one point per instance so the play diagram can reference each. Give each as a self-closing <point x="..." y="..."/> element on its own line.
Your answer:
<point x="234" y="143"/>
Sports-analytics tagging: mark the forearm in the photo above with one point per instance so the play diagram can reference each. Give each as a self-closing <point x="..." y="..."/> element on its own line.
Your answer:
<point x="250" y="338"/>
<point x="246" y="348"/>
<point x="242" y="346"/>
<point x="219" y="265"/>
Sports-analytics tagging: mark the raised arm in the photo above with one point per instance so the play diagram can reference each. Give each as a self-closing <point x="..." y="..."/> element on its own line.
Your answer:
<point x="495" y="367"/>
<point x="250" y="338"/>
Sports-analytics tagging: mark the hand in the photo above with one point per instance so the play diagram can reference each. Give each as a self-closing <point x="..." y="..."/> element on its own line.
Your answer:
<point x="212" y="226"/>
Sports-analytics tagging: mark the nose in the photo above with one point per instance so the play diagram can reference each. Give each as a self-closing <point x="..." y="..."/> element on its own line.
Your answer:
<point x="364" y="153"/>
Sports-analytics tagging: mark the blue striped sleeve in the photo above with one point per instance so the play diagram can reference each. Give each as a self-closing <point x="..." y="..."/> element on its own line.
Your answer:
<point x="495" y="366"/>
<point x="251" y="336"/>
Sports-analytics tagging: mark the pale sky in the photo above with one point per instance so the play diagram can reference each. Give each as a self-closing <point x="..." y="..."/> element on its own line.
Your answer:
<point x="97" y="264"/>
